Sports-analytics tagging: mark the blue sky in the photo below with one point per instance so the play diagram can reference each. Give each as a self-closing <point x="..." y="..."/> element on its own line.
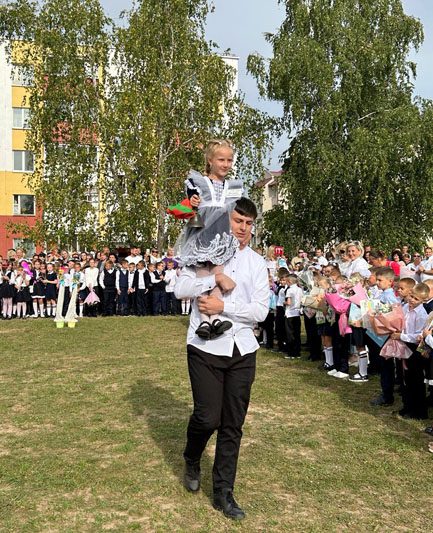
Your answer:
<point x="239" y="25"/>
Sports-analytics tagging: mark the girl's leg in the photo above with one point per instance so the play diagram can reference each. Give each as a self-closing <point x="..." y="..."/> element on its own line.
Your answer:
<point x="35" y="307"/>
<point x="24" y="309"/>
<point x="53" y="307"/>
<point x="328" y="351"/>
<point x="41" y="308"/>
<point x="4" y="307"/>
<point x="19" y="307"/>
<point x="363" y="360"/>
<point x="9" y="307"/>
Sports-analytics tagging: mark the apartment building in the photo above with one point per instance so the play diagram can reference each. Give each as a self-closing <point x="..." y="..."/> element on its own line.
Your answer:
<point x="17" y="202"/>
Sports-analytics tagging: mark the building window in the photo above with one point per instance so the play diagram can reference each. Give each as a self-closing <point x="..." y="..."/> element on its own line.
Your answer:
<point x="21" y="118"/>
<point x="26" y="244"/>
<point x="23" y="161"/>
<point x="24" y="204"/>
<point x="22" y="76"/>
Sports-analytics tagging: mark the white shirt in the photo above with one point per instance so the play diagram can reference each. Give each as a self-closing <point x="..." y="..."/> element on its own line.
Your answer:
<point x="428" y="265"/>
<point x="322" y="261"/>
<point x="170" y="279"/>
<point x="295" y="293"/>
<point x="245" y="305"/>
<point x="134" y="259"/>
<point x="358" y="266"/>
<point x="281" y="297"/>
<point x="130" y="279"/>
<point x="414" y="322"/>
<point x="141" y="281"/>
<point x="91" y="276"/>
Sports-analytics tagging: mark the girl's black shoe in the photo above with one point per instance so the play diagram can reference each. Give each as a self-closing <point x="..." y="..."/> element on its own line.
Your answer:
<point x="204" y="331"/>
<point x="220" y="326"/>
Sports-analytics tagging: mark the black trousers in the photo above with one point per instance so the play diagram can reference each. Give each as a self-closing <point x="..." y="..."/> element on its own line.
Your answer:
<point x="313" y="338"/>
<point x="341" y="347"/>
<point x="221" y="388"/>
<point x="141" y="301"/>
<point x="280" y="328"/>
<point x="109" y="302"/>
<point x="387" y="378"/>
<point x="414" y="390"/>
<point x="268" y="326"/>
<point x="293" y="333"/>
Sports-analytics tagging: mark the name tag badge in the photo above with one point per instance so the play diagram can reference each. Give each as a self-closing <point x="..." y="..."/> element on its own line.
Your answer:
<point x="236" y="192"/>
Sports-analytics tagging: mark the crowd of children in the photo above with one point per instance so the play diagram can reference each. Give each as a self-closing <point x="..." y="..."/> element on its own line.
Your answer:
<point x="107" y="285"/>
<point x="362" y="308"/>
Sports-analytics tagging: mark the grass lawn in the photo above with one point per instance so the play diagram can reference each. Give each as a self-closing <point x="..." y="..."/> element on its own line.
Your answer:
<point x="92" y="424"/>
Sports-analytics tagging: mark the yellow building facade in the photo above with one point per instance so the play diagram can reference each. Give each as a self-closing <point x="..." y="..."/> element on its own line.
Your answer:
<point x="17" y="202"/>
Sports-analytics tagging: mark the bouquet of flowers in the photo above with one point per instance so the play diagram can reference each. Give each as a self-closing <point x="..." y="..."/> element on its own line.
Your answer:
<point x="387" y="323"/>
<point x="307" y="279"/>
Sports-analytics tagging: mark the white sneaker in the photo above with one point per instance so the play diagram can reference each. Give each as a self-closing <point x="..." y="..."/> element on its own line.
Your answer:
<point x="332" y="372"/>
<point x="341" y="375"/>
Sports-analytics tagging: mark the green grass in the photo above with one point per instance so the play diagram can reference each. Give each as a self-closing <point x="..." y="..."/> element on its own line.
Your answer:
<point x="92" y="425"/>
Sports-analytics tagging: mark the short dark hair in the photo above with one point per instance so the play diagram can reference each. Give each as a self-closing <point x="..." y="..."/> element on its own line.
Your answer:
<point x="246" y="207"/>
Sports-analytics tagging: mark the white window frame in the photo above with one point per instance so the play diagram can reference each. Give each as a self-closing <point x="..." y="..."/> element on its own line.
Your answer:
<point x="20" y="118"/>
<point x="23" y="161"/>
<point x="18" y="201"/>
<point x="27" y="245"/>
<point x="22" y="76"/>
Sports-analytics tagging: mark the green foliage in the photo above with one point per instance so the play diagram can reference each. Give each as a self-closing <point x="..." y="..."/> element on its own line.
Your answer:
<point x="148" y="94"/>
<point x="359" y="164"/>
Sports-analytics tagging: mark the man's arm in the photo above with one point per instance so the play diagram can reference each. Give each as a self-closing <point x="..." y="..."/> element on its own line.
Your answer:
<point x="188" y="285"/>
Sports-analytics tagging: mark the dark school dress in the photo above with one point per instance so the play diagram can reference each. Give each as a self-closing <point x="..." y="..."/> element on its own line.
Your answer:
<point x="39" y="288"/>
<point x="51" y="289"/>
<point x="23" y="294"/>
<point x="7" y="289"/>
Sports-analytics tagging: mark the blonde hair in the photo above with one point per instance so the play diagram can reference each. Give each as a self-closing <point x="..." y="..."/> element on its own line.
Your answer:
<point x="422" y="291"/>
<point x="212" y="147"/>
<point x="270" y="253"/>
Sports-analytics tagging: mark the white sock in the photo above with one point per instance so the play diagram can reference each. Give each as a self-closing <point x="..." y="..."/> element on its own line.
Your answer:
<point x="81" y="310"/>
<point x="35" y="308"/>
<point x="363" y="363"/>
<point x="14" y="309"/>
<point x="329" y="356"/>
<point x="53" y="310"/>
<point x="48" y="309"/>
<point x="41" y="310"/>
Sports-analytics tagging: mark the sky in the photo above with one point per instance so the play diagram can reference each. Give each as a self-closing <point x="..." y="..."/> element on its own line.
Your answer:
<point x="239" y="25"/>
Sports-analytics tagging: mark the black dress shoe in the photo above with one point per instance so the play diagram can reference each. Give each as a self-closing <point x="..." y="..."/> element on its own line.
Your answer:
<point x="191" y="477"/>
<point x="223" y="501"/>
<point x="381" y="401"/>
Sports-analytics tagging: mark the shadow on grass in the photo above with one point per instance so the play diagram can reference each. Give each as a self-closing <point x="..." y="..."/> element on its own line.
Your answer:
<point x="167" y="419"/>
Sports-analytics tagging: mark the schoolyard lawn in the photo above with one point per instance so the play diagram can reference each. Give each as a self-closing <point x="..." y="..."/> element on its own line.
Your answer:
<point x="92" y="424"/>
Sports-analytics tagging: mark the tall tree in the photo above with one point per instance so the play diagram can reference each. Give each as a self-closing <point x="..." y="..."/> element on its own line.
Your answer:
<point x="171" y="92"/>
<point x="359" y="162"/>
<point x="63" y="45"/>
<point x="121" y="114"/>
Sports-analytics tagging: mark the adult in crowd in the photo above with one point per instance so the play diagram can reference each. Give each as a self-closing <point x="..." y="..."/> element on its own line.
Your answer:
<point x="299" y="259"/>
<point x="134" y="255"/>
<point x="378" y="259"/>
<point x="414" y="265"/>
<point x="222" y="369"/>
<point x="169" y="257"/>
<point x="357" y="265"/>
<point x="426" y="268"/>
<point x="320" y="259"/>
